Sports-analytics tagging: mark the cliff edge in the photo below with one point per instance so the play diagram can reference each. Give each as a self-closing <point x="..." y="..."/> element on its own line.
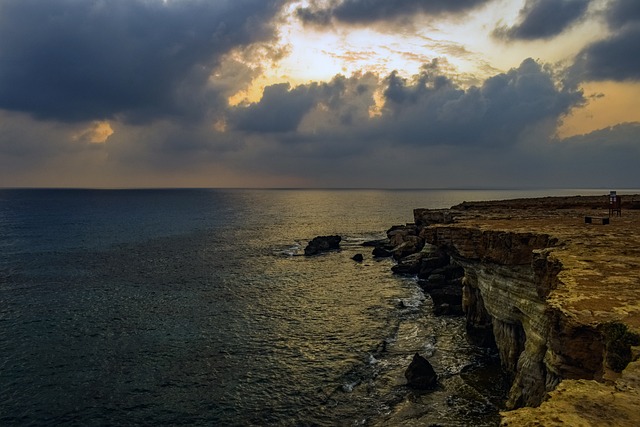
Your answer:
<point x="559" y="298"/>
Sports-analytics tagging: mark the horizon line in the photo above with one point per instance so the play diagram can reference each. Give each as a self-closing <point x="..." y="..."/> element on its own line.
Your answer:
<point x="453" y="188"/>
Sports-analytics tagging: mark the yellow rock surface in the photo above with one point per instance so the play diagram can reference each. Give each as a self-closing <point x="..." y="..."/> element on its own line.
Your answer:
<point x="599" y="283"/>
<point x="586" y="403"/>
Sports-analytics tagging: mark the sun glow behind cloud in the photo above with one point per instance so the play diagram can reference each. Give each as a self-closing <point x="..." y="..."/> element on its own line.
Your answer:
<point x="97" y="133"/>
<point x="315" y="54"/>
<point x="319" y="54"/>
<point x="610" y="103"/>
<point x="464" y="44"/>
<point x="265" y="90"/>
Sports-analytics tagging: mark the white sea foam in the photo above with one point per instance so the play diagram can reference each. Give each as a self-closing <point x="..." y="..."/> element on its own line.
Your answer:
<point x="371" y="360"/>
<point x="348" y="387"/>
<point x="292" y="250"/>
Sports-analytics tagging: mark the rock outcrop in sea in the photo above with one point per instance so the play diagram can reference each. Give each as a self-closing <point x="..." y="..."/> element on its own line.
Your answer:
<point x="556" y="296"/>
<point x="420" y="374"/>
<point x="322" y="244"/>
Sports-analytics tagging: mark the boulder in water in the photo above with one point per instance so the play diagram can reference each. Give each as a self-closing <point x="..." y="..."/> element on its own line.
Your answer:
<point x="322" y="244"/>
<point x="358" y="258"/>
<point x="420" y="374"/>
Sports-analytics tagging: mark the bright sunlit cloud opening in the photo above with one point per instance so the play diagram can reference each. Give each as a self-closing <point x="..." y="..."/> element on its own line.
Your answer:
<point x="96" y="133"/>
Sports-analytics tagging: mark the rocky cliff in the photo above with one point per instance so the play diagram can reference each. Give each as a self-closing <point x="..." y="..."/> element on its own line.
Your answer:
<point x="557" y="296"/>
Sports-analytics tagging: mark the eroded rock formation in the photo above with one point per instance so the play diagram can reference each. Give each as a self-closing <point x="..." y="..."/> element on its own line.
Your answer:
<point x="557" y="297"/>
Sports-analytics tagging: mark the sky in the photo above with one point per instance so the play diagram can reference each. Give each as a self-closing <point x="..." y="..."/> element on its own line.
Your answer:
<point x="320" y="93"/>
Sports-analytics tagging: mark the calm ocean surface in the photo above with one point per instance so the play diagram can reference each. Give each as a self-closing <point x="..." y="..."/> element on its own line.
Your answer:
<point x="193" y="307"/>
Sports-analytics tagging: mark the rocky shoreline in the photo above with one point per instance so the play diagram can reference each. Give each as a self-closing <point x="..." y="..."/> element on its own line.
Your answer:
<point x="557" y="296"/>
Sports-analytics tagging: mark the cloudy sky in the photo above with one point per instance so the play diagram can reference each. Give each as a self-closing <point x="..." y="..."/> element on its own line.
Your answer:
<point x="320" y="93"/>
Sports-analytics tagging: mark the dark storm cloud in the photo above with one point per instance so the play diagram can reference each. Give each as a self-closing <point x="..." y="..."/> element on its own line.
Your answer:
<point x="623" y="11"/>
<point x="369" y="11"/>
<point x="603" y="157"/>
<point x="428" y="109"/>
<point x="74" y="60"/>
<point x="621" y="135"/>
<point x="280" y="110"/>
<point x="616" y="57"/>
<point x="543" y="19"/>
<point x="431" y="109"/>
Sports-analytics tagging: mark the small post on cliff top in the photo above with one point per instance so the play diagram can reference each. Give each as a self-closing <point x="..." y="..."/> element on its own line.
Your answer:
<point x="615" y="204"/>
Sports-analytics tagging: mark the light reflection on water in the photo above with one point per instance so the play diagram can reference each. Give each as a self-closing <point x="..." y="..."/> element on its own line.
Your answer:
<point x="188" y="307"/>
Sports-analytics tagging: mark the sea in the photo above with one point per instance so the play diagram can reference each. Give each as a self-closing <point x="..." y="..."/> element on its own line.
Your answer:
<point x="197" y="307"/>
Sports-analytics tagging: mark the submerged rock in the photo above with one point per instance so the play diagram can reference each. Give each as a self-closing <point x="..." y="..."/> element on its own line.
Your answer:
<point x="445" y="287"/>
<point x="408" y="265"/>
<point x="381" y="248"/>
<point x="380" y="252"/>
<point x="376" y="243"/>
<point x="420" y="374"/>
<point x="358" y="258"/>
<point x="322" y="244"/>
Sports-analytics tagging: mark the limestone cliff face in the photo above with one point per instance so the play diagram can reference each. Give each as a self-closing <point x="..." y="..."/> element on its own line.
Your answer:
<point x="505" y="287"/>
<point x="508" y="278"/>
<point x="557" y="295"/>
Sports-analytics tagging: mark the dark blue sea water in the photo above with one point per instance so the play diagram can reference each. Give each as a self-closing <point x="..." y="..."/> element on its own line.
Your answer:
<point x="194" y="307"/>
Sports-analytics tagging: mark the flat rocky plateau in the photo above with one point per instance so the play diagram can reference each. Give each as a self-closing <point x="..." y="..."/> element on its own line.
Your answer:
<point x="601" y="263"/>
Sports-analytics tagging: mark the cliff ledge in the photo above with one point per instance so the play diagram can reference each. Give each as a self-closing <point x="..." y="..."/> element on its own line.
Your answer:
<point x="559" y="297"/>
